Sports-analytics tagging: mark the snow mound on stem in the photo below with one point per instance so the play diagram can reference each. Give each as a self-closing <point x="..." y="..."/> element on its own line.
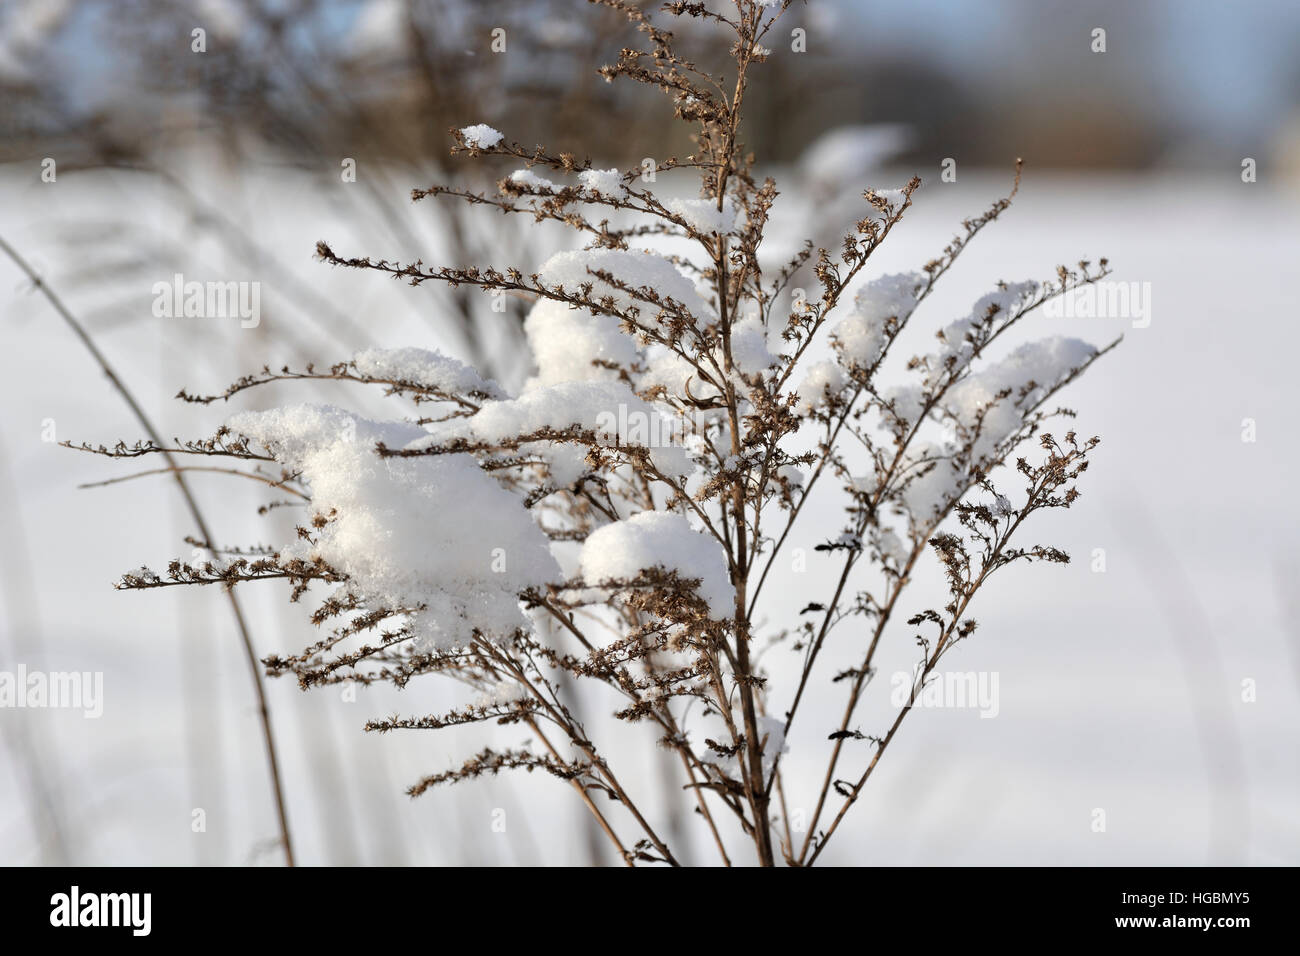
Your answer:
<point x="481" y="136"/>
<point x="576" y="345"/>
<point x="610" y="410"/>
<point x="631" y="270"/>
<point x="860" y="337"/>
<point x="434" y="535"/>
<point x="426" y="368"/>
<point x="665" y="541"/>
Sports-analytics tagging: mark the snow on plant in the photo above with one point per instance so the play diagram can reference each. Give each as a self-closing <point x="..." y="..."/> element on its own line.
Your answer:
<point x="501" y="539"/>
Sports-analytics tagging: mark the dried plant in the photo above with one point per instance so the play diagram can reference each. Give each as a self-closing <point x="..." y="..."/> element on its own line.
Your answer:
<point x="621" y="519"/>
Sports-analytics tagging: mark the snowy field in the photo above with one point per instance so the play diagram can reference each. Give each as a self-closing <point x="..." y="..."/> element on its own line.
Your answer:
<point x="1163" y="690"/>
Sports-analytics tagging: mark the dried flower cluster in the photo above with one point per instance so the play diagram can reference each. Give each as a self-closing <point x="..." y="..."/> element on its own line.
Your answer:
<point x="618" y="519"/>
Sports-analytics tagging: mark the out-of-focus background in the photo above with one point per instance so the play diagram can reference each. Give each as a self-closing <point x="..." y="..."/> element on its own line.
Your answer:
<point x="1149" y="692"/>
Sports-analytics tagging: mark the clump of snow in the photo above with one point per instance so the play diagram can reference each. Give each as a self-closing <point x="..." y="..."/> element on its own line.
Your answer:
<point x="526" y="177"/>
<point x="636" y="270"/>
<point x="1027" y="374"/>
<point x="611" y="410"/>
<point x="1030" y="372"/>
<point x="929" y="494"/>
<point x="435" y="532"/>
<point x="567" y="343"/>
<point x="891" y="547"/>
<point x="502" y="692"/>
<point x="603" y="182"/>
<point x="893" y="198"/>
<point x="673" y="373"/>
<point x="665" y="541"/>
<point x="792" y="475"/>
<point x="771" y="735"/>
<point x="559" y="407"/>
<point x="749" y="349"/>
<point x="704" y="216"/>
<point x="956" y="335"/>
<point x="823" y="379"/>
<point x="859" y="338"/>
<point x="426" y="368"/>
<point x="907" y="402"/>
<point x="565" y="463"/>
<point x="481" y="136"/>
<point x="864" y="484"/>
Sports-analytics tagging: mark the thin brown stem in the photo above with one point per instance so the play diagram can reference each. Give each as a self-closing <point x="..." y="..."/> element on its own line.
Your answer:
<point x="246" y="638"/>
